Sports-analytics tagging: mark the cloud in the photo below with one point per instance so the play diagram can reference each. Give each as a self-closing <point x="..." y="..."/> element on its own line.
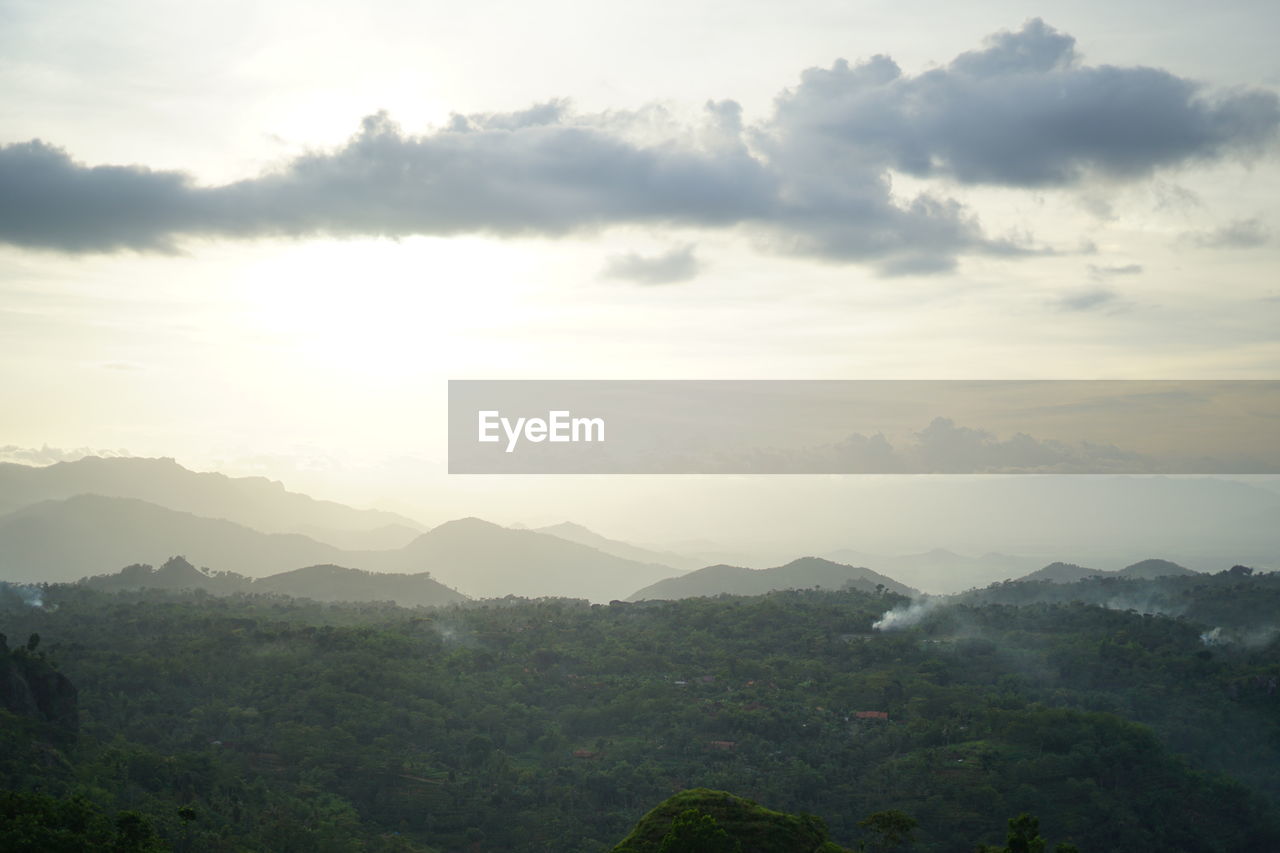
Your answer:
<point x="1022" y="112"/>
<point x="1125" y="269"/>
<point x="1086" y="300"/>
<point x="677" y="265"/>
<point x="813" y="178"/>
<point x="1240" y="234"/>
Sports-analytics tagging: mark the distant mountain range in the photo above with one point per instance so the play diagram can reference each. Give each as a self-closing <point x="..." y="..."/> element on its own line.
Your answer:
<point x="1070" y="572"/>
<point x="803" y="573"/>
<point x="485" y="560"/>
<point x="63" y="540"/>
<point x="69" y="539"/>
<point x="319" y="583"/>
<point x="73" y="519"/>
<point x="254" y="502"/>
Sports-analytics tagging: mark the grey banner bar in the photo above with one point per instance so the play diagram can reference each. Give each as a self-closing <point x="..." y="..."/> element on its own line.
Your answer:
<point x="864" y="427"/>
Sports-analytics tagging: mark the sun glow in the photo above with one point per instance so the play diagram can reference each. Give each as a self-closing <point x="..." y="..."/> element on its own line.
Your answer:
<point x="377" y="310"/>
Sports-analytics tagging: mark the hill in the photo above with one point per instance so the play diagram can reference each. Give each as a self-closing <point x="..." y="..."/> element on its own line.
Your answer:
<point x="750" y="826"/>
<point x="70" y="539"/>
<point x="254" y="502"/>
<point x="1063" y="573"/>
<point x="176" y="573"/>
<point x="67" y="539"/>
<point x="803" y="573"/>
<point x="1153" y="568"/>
<point x="485" y="560"/>
<point x="1144" y="569"/>
<point x="318" y="583"/>
<point x="335" y="583"/>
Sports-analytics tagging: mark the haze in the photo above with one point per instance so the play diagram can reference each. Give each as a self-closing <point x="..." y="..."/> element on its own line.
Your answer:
<point x="259" y="239"/>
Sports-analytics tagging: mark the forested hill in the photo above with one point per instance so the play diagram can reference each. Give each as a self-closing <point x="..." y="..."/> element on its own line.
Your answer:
<point x="803" y="573"/>
<point x="554" y="724"/>
<point x="1239" y="599"/>
<point x="320" y="583"/>
<point x="1144" y="569"/>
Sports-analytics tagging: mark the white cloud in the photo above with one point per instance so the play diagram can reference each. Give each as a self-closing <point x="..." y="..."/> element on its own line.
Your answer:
<point x="812" y="179"/>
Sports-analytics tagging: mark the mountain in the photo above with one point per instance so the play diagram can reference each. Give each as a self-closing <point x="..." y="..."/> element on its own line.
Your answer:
<point x="67" y="539"/>
<point x="740" y="823"/>
<point x="335" y="583"/>
<point x="319" y="583"/>
<point x="1062" y="573"/>
<point x="1070" y="572"/>
<point x="176" y="573"/>
<point x="485" y="560"/>
<point x="577" y="533"/>
<point x="798" y="574"/>
<point x="254" y="502"/>
<point x="1153" y="568"/>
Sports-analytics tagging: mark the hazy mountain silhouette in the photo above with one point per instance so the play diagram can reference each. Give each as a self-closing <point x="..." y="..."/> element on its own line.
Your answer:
<point x="1070" y="572"/>
<point x="319" y="583"/>
<point x="176" y="573"/>
<point x="798" y="574"/>
<point x="583" y="536"/>
<point x="1063" y="573"/>
<point x="254" y="502"/>
<point x="68" y="539"/>
<point x="335" y="583"/>
<point x="1153" y="568"/>
<point x="485" y="560"/>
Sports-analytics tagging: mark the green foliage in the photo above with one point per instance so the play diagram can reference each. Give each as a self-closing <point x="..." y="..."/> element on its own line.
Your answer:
<point x="693" y="831"/>
<point x="724" y="822"/>
<point x="1024" y="837"/>
<point x="37" y="823"/>
<point x="517" y="725"/>
<point x="889" y="829"/>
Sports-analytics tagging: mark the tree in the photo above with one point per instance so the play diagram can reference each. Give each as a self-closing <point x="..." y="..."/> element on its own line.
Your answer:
<point x="1024" y="837"/>
<point x="891" y="828"/>
<point x="693" y="831"/>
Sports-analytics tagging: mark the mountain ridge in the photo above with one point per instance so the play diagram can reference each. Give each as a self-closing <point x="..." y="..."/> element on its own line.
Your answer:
<point x="800" y="573"/>
<point x="254" y="502"/>
<point x="72" y="538"/>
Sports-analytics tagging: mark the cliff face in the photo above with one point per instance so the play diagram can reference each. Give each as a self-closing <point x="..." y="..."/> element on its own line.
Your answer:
<point x="30" y="687"/>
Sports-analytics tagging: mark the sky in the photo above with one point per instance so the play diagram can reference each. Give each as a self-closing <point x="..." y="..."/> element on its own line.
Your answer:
<point x="261" y="237"/>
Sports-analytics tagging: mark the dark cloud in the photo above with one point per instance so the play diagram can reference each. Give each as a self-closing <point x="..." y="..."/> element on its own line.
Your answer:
<point x="813" y="179"/>
<point x="1087" y="300"/>
<point x="677" y="265"/>
<point x="1240" y="234"/>
<point x="1104" y="272"/>
<point x="1023" y="112"/>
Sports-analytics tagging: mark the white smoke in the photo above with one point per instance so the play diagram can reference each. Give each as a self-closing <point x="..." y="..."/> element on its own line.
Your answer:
<point x="904" y="617"/>
<point x="31" y="595"/>
<point x="1250" y="638"/>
